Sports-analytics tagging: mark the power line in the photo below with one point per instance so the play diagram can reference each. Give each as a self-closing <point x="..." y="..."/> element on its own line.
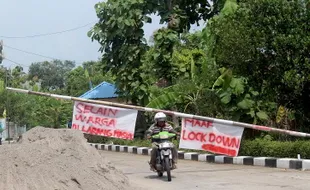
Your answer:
<point x="49" y="34"/>
<point x="29" y="52"/>
<point x="15" y="62"/>
<point x="32" y="53"/>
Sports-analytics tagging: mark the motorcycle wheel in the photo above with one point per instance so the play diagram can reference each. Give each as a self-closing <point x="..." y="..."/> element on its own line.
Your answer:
<point x="167" y="163"/>
<point x="160" y="174"/>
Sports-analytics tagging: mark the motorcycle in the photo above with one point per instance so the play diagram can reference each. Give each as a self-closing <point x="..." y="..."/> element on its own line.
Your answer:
<point x="164" y="153"/>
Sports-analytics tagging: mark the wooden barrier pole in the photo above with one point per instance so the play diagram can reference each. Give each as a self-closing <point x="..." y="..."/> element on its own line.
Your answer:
<point x="178" y="114"/>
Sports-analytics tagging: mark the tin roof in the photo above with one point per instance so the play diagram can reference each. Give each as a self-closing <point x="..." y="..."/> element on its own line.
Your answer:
<point x="103" y="90"/>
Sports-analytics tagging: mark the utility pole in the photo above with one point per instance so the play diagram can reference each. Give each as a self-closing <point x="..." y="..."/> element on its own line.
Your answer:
<point x="7" y="104"/>
<point x="7" y="98"/>
<point x="6" y="81"/>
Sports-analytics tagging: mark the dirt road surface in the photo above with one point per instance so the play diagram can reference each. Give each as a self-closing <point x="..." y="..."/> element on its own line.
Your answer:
<point x="201" y="175"/>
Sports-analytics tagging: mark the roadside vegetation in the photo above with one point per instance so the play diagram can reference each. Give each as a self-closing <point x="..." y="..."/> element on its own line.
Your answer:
<point x="250" y="62"/>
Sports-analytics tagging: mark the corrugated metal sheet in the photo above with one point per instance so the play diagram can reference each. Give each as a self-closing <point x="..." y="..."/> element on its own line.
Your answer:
<point x="103" y="90"/>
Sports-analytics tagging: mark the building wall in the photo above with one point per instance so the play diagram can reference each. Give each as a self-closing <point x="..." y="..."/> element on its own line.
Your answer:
<point x="15" y="130"/>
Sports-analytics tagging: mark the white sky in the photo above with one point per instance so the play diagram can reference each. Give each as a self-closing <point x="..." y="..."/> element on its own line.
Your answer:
<point x="31" y="17"/>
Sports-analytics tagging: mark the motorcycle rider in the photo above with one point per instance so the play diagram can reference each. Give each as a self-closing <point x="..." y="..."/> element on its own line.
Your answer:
<point x="159" y="126"/>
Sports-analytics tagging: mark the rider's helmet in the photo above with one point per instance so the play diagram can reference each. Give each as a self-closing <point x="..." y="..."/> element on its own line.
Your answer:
<point x="160" y="118"/>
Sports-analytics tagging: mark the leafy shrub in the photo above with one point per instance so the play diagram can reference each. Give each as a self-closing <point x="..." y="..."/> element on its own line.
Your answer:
<point x="280" y="149"/>
<point x="258" y="147"/>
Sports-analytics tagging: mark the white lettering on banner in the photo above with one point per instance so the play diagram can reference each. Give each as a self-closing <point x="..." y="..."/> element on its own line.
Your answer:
<point x="104" y="120"/>
<point x="209" y="136"/>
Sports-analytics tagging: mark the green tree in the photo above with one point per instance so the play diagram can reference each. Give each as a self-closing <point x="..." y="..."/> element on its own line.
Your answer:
<point x="51" y="74"/>
<point x="194" y="76"/>
<point x="17" y="106"/>
<point x="18" y="77"/>
<point x="119" y="31"/>
<point x="50" y="112"/>
<point x="77" y="83"/>
<point x="120" y="34"/>
<point x="267" y="41"/>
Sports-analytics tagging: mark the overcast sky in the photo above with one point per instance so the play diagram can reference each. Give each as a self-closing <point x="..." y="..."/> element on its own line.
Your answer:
<point x="31" y="17"/>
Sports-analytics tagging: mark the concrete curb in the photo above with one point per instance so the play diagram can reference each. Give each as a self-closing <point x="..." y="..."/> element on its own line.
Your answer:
<point x="284" y="163"/>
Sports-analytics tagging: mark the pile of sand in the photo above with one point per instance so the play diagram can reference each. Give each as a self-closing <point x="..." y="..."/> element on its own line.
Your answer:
<point x="56" y="159"/>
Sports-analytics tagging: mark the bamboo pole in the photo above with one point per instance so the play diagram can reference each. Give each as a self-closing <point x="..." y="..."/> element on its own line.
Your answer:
<point x="178" y="114"/>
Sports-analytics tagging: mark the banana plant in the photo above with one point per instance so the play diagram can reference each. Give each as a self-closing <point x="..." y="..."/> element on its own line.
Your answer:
<point x="240" y="99"/>
<point x="186" y="90"/>
<point x="285" y="117"/>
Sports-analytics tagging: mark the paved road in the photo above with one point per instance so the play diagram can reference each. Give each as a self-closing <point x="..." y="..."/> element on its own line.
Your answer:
<point x="201" y="175"/>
